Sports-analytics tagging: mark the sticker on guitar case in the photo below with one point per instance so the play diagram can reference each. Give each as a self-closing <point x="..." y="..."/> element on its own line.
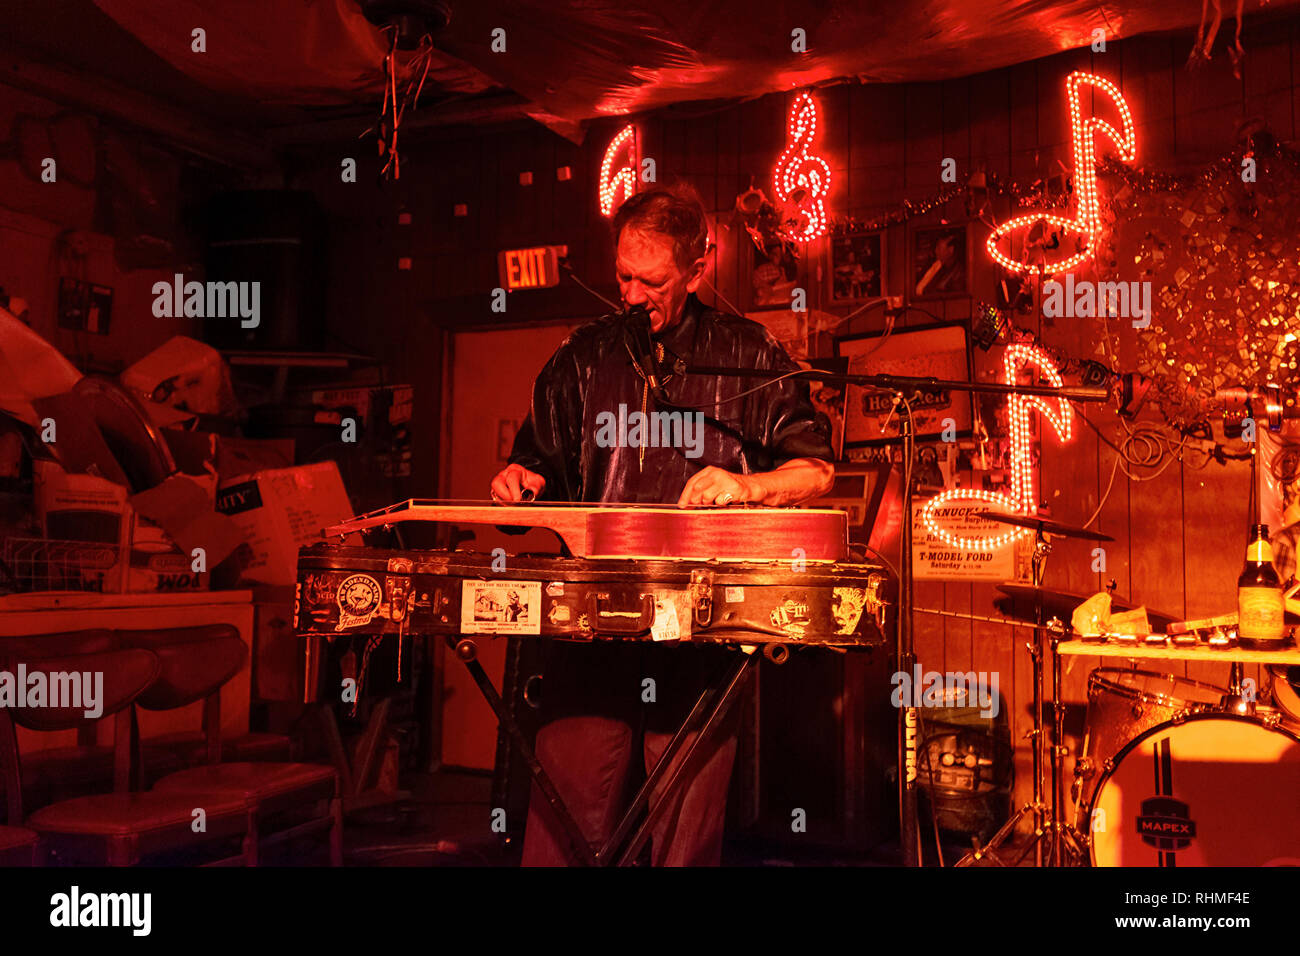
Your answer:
<point x="501" y="607"/>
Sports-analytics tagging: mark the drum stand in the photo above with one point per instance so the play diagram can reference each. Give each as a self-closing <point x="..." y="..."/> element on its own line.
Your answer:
<point x="1052" y="839"/>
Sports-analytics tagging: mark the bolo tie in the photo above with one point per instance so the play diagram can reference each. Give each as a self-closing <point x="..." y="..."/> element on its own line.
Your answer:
<point x="645" y="394"/>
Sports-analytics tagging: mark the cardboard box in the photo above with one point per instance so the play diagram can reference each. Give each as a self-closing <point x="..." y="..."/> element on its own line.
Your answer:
<point x="86" y="510"/>
<point x="281" y="510"/>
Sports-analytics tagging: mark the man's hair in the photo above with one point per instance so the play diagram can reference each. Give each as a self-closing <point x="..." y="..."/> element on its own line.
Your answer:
<point x="674" y="211"/>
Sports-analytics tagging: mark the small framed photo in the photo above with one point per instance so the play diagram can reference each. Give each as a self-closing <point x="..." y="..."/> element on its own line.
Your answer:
<point x="932" y="351"/>
<point x="774" y="273"/>
<point x="857" y="266"/>
<point x="939" y="266"/>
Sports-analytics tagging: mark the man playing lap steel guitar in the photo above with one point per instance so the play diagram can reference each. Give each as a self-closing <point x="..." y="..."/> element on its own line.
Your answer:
<point x="716" y="447"/>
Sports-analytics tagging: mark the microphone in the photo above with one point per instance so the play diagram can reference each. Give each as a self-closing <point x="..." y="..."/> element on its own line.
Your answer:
<point x="636" y="334"/>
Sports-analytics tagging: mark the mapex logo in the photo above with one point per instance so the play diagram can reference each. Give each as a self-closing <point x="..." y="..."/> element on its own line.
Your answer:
<point x="1090" y="300"/>
<point x="209" y="300"/>
<point x="1165" y="823"/>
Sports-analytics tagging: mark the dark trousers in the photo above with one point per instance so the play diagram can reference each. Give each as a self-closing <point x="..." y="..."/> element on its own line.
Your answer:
<point x="600" y="721"/>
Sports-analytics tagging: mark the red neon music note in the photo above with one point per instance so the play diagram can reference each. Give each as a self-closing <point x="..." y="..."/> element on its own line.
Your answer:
<point x="1058" y="414"/>
<point x="623" y="181"/>
<point x="800" y="177"/>
<point x="1079" y="233"/>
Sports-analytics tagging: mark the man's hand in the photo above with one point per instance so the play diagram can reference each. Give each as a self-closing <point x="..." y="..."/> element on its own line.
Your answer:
<point x="715" y="486"/>
<point x="797" y="480"/>
<point x="512" y="481"/>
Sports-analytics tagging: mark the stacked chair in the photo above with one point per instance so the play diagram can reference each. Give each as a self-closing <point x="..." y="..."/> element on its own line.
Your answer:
<point x="214" y="813"/>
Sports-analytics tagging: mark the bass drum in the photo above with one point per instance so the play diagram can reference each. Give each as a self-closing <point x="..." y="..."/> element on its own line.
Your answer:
<point x="1209" y="790"/>
<point x="1285" y="684"/>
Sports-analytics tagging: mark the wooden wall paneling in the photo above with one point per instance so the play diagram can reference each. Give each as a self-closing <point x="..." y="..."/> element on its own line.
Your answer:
<point x="834" y="140"/>
<point x="990" y="123"/>
<point x="877" y="146"/>
<point x="1267" y="78"/>
<point x="1215" y="524"/>
<point x="729" y="234"/>
<point x="1148" y="84"/>
<point x="957" y="113"/>
<point x="1156" y="546"/>
<point x="929" y="641"/>
<point x="1207" y="108"/>
<point x="923" y="119"/>
<point x="1054" y="133"/>
<point x="1023" y="124"/>
<point x="959" y="635"/>
<point x="1293" y="28"/>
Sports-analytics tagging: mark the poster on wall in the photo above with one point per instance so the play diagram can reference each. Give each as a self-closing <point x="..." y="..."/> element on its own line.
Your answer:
<point x="857" y="266"/>
<point x="774" y="273"/>
<point x="940" y="263"/>
<point x="933" y="351"/>
<point x="933" y="559"/>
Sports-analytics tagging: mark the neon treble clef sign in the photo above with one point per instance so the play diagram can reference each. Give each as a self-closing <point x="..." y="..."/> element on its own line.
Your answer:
<point x="1085" y="227"/>
<point x="1020" y="500"/>
<point x="801" y="177"/>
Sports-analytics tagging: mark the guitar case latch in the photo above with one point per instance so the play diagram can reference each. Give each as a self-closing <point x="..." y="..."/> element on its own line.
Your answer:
<point x="702" y="596"/>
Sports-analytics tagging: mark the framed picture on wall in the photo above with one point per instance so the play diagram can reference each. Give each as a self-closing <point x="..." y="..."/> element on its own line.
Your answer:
<point x="935" y="351"/>
<point x="773" y="274"/>
<point x="857" y="266"/>
<point x="939" y="262"/>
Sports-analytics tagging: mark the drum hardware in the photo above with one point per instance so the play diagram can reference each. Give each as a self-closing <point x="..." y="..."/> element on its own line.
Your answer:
<point x="1053" y="840"/>
<point x="1044" y="526"/>
<point x="1020" y="601"/>
<point x="903" y="387"/>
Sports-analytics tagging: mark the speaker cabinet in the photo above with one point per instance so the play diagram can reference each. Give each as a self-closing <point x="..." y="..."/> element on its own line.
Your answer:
<point x="819" y="736"/>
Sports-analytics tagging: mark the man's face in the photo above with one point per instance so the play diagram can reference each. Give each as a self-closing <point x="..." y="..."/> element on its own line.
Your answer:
<point x="649" y="275"/>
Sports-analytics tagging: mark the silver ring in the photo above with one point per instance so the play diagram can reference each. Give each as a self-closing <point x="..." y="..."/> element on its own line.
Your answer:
<point x="727" y="498"/>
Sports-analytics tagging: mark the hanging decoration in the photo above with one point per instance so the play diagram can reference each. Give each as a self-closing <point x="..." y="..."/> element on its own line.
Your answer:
<point x="803" y="180"/>
<point x="1056" y="243"/>
<point x="1220" y="250"/>
<point x="1021" y="498"/>
<point x="617" y="186"/>
<point x="1208" y="30"/>
<point x="402" y="88"/>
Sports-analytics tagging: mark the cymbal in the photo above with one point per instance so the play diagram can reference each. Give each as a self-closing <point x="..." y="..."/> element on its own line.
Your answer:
<point x="1020" y="601"/>
<point x="1034" y="523"/>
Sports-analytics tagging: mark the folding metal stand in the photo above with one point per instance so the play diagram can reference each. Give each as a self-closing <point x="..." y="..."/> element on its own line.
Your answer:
<point x="713" y="703"/>
<point x="1051" y="834"/>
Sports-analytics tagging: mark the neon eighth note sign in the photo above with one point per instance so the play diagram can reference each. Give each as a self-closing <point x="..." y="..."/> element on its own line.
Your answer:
<point x="1020" y="499"/>
<point x="1072" y="240"/>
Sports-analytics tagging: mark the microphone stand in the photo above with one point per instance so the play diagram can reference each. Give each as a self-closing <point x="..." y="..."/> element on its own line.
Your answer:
<point x="904" y="388"/>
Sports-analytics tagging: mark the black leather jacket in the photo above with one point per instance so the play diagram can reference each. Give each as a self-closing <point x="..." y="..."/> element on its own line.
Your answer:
<point x="576" y="411"/>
